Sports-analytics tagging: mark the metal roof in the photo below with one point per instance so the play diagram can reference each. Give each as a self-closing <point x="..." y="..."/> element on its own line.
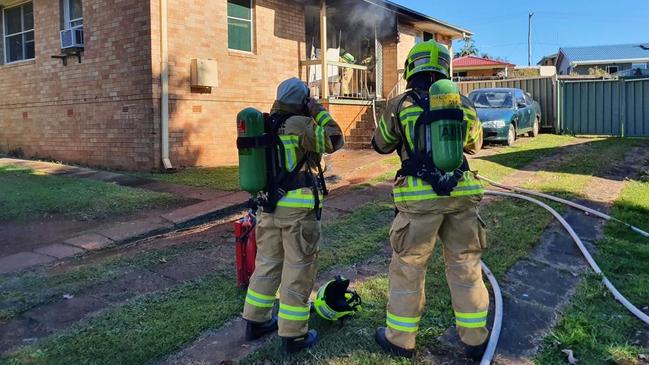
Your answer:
<point x="389" y="5"/>
<point x="473" y="61"/>
<point x="617" y="52"/>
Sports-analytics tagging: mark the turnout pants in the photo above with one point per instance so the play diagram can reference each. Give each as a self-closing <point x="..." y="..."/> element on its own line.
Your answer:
<point x="287" y="251"/>
<point x="413" y="237"/>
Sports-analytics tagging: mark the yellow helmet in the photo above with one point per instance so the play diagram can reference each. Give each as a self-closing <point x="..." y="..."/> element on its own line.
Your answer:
<point x="428" y="56"/>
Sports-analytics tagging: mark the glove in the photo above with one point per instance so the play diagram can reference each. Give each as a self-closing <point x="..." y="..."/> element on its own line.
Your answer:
<point x="314" y="107"/>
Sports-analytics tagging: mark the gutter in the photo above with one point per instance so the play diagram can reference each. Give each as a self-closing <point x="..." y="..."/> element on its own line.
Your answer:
<point x="164" y="82"/>
<point x="600" y="62"/>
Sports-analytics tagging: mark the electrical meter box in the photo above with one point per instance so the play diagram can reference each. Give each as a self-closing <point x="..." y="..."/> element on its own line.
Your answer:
<point x="204" y="73"/>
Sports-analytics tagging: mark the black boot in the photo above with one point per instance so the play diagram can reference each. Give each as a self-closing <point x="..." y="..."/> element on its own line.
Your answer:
<point x="255" y="330"/>
<point x="386" y="345"/>
<point x="475" y="352"/>
<point x="295" y="344"/>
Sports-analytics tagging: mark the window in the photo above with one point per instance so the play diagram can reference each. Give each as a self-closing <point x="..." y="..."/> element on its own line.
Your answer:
<point x="240" y="25"/>
<point x="72" y="14"/>
<point x="611" y="69"/>
<point x="18" y="32"/>
<point x="639" y="65"/>
<point x="428" y="36"/>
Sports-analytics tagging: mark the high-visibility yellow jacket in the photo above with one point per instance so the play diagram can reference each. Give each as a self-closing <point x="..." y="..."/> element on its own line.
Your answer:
<point x="307" y="137"/>
<point x="412" y="194"/>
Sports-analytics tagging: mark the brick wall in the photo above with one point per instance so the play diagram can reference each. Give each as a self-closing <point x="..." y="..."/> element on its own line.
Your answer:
<point x="346" y="115"/>
<point x="202" y="125"/>
<point x="98" y="112"/>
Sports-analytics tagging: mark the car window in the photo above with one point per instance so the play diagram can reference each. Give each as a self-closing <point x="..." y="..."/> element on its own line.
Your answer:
<point x="491" y="99"/>
<point x="520" y="98"/>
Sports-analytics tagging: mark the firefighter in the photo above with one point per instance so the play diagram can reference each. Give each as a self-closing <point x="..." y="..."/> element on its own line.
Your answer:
<point x="287" y="238"/>
<point x="426" y="209"/>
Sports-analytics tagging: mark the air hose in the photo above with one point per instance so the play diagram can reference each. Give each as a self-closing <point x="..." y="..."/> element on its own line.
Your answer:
<point x="566" y="202"/>
<point x="497" y="325"/>
<point x="628" y="305"/>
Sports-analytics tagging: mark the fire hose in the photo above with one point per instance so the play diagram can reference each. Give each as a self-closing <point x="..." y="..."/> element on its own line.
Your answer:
<point x="497" y="325"/>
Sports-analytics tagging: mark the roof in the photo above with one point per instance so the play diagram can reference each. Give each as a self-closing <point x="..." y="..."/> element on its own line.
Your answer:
<point x="616" y="52"/>
<point x="473" y="61"/>
<point x="548" y="57"/>
<point x="399" y="9"/>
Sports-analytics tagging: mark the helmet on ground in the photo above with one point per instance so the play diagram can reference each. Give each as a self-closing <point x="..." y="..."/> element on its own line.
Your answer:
<point x="428" y="56"/>
<point x="334" y="301"/>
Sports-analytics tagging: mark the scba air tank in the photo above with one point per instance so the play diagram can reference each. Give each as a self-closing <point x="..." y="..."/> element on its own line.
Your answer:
<point x="447" y="140"/>
<point x="252" y="160"/>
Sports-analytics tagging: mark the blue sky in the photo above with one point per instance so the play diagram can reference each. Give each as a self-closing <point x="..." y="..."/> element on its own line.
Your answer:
<point x="500" y="27"/>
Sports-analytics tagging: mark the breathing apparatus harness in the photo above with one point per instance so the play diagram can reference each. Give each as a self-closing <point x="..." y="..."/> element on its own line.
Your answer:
<point x="279" y="180"/>
<point x="420" y="162"/>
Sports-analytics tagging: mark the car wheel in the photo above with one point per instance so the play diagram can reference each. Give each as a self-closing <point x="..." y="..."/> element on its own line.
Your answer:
<point x="511" y="135"/>
<point x="535" y="128"/>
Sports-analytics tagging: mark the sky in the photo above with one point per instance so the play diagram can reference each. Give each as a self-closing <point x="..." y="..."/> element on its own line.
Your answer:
<point x="500" y="26"/>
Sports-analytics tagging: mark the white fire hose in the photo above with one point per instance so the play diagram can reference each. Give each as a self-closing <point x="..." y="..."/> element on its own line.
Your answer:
<point x="497" y="325"/>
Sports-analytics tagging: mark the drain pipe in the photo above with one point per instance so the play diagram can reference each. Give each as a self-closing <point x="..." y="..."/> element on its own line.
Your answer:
<point x="164" y="81"/>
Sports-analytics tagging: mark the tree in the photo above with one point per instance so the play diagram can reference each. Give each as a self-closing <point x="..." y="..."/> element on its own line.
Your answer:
<point x="468" y="49"/>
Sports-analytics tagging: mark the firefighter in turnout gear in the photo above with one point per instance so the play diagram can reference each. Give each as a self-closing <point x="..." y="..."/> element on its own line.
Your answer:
<point x="432" y="203"/>
<point x="287" y="237"/>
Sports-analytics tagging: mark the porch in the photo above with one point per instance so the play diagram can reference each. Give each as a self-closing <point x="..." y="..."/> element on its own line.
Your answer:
<point x="355" y="50"/>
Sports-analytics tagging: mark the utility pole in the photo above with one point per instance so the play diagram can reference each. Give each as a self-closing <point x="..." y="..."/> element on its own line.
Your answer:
<point x="529" y="39"/>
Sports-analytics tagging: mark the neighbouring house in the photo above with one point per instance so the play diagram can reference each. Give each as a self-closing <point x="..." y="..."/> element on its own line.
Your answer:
<point x="477" y="67"/>
<point x="611" y="59"/>
<point x="549" y="60"/>
<point x="148" y="84"/>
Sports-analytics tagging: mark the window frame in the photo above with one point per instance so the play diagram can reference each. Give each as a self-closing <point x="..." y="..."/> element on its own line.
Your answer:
<point x="22" y="33"/>
<point x="641" y="65"/>
<point x="252" y="27"/>
<point x="67" y="22"/>
<point x="608" y="69"/>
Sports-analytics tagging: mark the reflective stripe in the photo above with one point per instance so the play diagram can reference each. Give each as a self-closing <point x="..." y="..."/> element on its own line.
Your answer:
<point x="403" y="324"/>
<point x="417" y="189"/>
<point x="471" y="320"/>
<point x="290" y="143"/>
<point x="319" y="139"/>
<point x="385" y="133"/>
<point x="259" y="300"/>
<point x="320" y="116"/>
<point x="293" y="313"/>
<point x="297" y="199"/>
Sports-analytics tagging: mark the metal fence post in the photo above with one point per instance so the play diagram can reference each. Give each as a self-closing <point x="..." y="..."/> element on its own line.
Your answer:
<point x="623" y="103"/>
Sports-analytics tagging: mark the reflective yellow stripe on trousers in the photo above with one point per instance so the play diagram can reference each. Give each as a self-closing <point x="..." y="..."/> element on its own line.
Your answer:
<point x="471" y="320"/>
<point x="259" y="300"/>
<point x="417" y="189"/>
<point x="293" y="313"/>
<point x="403" y="324"/>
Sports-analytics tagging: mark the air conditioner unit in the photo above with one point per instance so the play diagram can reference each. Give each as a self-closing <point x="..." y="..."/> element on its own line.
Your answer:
<point x="72" y="39"/>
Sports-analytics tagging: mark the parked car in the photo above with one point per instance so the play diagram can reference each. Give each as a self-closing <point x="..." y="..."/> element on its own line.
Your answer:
<point x="506" y="113"/>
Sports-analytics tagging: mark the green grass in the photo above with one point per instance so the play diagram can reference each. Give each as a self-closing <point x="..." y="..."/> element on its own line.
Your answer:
<point x="220" y="178"/>
<point x="595" y="326"/>
<point x="27" y="194"/>
<point x="513" y="229"/>
<point x="569" y="178"/>
<point x="523" y="152"/>
<point x="156" y="325"/>
<point x="25" y="290"/>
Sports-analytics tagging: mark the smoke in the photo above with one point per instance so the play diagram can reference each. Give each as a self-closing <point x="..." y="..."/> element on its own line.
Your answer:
<point x="364" y="16"/>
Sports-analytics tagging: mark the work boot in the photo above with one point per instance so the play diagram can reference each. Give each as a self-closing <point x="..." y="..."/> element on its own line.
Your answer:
<point x="255" y="330"/>
<point x="393" y="349"/>
<point x="475" y="353"/>
<point x="295" y="344"/>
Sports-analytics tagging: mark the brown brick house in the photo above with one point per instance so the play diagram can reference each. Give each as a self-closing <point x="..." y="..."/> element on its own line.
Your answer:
<point x="129" y="84"/>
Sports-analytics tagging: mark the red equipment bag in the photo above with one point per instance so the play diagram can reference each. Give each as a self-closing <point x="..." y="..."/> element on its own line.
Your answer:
<point x="245" y="249"/>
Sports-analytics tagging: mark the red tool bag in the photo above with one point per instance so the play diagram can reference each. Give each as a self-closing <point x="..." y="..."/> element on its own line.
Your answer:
<point x="245" y="248"/>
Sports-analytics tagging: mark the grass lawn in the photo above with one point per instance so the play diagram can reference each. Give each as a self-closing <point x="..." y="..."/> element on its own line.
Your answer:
<point x="595" y="326"/>
<point x="221" y="178"/>
<point x="150" y="327"/>
<point x="28" y="194"/>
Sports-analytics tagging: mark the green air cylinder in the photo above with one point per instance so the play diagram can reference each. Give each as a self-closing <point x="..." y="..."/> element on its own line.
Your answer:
<point x="446" y="134"/>
<point x="252" y="161"/>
